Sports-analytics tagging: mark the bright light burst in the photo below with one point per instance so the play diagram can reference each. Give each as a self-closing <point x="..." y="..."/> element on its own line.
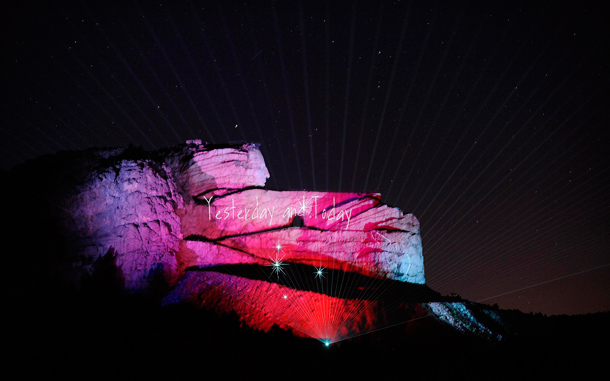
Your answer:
<point x="276" y="265"/>
<point x="305" y="207"/>
<point x="319" y="272"/>
<point x="278" y="247"/>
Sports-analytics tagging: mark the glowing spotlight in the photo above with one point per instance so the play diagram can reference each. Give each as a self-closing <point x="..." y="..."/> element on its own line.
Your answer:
<point x="327" y="342"/>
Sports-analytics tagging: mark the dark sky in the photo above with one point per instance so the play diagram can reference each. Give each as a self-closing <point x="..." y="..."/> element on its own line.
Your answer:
<point x="486" y="119"/>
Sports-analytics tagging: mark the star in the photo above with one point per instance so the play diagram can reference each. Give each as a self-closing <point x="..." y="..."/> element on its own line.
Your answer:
<point x="276" y="265"/>
<point x="278" y="247"/>
<point x="319" y="272"/>
<point x="305" y="207"/>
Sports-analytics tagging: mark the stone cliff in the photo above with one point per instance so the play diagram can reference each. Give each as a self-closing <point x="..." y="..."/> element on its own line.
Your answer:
<point x="194" y="223"/>
<point x="202" y="205"/>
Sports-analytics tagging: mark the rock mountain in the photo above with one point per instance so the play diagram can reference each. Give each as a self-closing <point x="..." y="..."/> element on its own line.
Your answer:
<point x="194" y="223"/>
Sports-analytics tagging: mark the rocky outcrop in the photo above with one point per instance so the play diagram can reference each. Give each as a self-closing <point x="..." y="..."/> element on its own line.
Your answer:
<point x="127" y="210"/>
<point x="323" y="310"/>
<point x="192" y="216"/>
<point x="206" y="169"/>
<point x="203" y="205"/>
<point x="228" y="218"/>
<point x="334" y="230"/>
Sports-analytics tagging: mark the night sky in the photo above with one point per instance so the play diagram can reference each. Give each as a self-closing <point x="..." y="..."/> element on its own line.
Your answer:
<point x="487" y="120"/>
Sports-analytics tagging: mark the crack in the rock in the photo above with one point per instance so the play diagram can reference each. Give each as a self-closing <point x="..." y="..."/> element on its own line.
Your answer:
<point x="202" y="238"/>
<point x="364" y="287"/>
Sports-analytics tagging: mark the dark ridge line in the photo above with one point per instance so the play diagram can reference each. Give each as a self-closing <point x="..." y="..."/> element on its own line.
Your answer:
<point x="379" y="204"/>
<point x="238" y="190"/>
<point x="365" y="196"/>
<point x="231" y="192"/>
<point x="363" y="284"/>
<point x="201" y="238"/>
<point x="238" y="145"/>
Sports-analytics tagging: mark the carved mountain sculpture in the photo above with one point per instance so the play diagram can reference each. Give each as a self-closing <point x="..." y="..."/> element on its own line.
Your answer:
<point x="206" y="206"/>
<point x="197" y="218"/>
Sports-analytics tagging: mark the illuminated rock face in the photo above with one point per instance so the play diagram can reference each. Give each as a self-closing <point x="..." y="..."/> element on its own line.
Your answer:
<point x="328" y="316"/>
<point x="127" y="211"/>
<point x="194" y="216"/>
<point x="203" y="205"/>
<point x="307" y="313"/>
<point x="228" y="219"/>
<point x="202" y="169"/>
<point x="338" y="230"/>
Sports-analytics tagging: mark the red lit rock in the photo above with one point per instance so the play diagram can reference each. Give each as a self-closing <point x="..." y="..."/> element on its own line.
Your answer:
<point x="203" y="205"/>
<point x="326" y="265"/>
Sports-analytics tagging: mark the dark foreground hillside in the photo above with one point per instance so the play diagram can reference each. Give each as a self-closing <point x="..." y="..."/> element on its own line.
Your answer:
<point x="91" y="334"/>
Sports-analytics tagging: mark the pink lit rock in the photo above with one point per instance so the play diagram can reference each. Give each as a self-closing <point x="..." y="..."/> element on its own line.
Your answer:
<point x="255" y="210"/>
<point x="393" y="255"/>
<point x="203" y="169"/>
<point x="197" y="217"/>
<point x="340" y="230"/>
<point x="204" y="205"/>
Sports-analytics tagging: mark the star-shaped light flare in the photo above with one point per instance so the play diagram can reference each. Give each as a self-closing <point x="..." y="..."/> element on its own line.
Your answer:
<point x="319" y="272"/>
<point x="304" y="207"/>
<point x="278" y="247"/>
<point x="276" y="265"/>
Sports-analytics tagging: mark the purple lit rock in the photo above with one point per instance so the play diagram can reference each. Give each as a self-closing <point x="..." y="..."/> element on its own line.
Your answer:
<point x="184" y="216"/>
<point x="204" y="205"/>
<point x="128" y="210"/>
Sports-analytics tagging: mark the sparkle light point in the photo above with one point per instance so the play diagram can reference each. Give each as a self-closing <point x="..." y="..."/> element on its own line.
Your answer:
<point x="278" y="247"/>
<point x="305" y="207"/>
<point x="276" y="265"/>
<point x="319" y="272"/>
